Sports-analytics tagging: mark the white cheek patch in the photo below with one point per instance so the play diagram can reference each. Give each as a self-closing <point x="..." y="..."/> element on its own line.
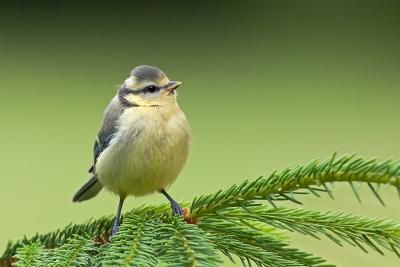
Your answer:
<point x="130" y="82"/>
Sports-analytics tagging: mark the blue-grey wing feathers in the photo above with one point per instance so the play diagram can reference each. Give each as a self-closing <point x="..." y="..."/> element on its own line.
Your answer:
<point x="101" y="143"/>
<point x="107" y="132"/>
<point x="108" y="129"/>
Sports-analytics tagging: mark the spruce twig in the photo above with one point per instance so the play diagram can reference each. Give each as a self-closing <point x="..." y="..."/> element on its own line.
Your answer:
<point x="243" y="220"/>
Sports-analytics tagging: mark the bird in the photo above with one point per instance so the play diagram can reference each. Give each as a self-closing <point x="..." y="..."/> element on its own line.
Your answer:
<point x="143" y="142"/>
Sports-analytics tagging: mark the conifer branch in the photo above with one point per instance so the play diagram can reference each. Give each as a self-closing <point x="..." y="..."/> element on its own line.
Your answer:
<point x="258" y="243"/>
<point x="133" y="244"/>
<point x="284" y="185"/>
<point x="76" y="252"/>
<point x="29" y="255"/>
<point x="336" y="226"/>
<point x="243" y="220"/>
<point x="185" y="245"/>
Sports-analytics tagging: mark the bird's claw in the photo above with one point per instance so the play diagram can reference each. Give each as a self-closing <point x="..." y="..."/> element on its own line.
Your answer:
<point x="114" y="230"/>
<point x="115" y="227"/>
<point x="176" y="209"/>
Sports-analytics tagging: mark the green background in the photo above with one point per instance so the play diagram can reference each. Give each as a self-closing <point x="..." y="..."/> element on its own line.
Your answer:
<point x="265" y="85"/>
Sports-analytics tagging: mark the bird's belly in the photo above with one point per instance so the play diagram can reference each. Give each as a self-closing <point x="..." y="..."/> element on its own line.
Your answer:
<point x="143" y="162"/>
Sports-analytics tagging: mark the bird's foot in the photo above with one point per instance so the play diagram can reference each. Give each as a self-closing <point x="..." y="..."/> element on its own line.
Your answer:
<point x="115" y="227"/>
<point x="117" y="217"/>
<point x="114" y="230"/>
<point x="176" y="209"/>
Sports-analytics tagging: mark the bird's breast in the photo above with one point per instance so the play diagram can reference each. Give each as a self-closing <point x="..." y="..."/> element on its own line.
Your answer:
<point x="147" y="153"/>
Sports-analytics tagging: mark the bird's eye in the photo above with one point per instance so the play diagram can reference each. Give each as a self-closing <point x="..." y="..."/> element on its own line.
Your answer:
<point x="152" y="88"/>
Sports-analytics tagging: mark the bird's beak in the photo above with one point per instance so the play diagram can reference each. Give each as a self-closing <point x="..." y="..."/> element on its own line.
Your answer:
<point x="172" y="85"/>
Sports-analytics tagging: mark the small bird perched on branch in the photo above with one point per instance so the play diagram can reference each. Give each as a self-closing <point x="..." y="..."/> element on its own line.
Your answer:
<point x="143" y="142"/>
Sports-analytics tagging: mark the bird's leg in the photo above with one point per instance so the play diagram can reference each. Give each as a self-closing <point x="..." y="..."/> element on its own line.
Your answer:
<point x="116" y="222"/>
<point x="176" y="209"/>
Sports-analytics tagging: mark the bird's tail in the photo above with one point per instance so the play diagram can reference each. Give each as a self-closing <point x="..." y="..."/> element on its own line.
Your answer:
<point x="88" y="190"/>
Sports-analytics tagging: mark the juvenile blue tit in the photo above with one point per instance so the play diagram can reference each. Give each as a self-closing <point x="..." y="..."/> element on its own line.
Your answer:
<point x="143" y="142"/>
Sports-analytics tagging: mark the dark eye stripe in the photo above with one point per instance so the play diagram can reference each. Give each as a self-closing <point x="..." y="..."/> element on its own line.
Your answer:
<point x="141" y="91"/>
<point x="122" y="92"/>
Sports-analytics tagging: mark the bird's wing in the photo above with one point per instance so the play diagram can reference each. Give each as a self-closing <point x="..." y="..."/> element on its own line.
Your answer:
<point x="101" y="143"/>
<point x="107" y="131"/>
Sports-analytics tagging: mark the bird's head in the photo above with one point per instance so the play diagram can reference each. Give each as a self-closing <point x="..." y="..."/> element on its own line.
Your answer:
<point x="148" y="86"/>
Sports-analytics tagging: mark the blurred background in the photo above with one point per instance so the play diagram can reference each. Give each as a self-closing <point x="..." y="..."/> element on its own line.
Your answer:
<point x="265" y="85"/>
